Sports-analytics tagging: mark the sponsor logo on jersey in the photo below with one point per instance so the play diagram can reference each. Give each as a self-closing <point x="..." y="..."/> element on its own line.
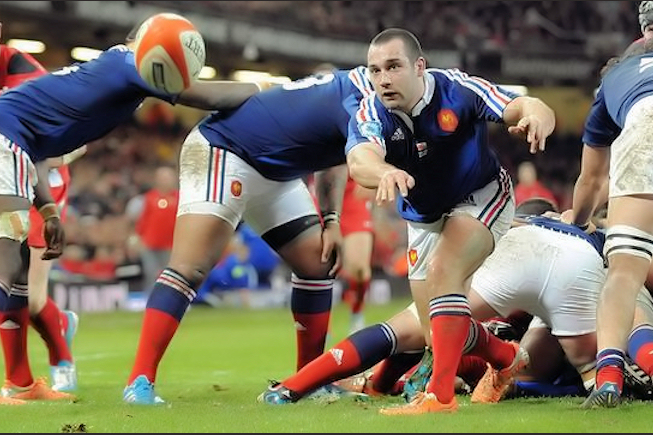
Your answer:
<point x="447" y="120"/>
<point x="397" y="135"/>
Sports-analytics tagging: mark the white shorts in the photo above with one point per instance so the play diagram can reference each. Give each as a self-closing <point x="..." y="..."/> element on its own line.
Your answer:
<point x="554" y="276"/>
<point x="17" y="172"/>
<point x="631" y="154"/>
<point x="493" y="205"/>
<point x="217" y="182"/>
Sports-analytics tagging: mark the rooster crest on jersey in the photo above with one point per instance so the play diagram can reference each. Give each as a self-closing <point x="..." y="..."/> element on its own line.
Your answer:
<point x="169" y="52"/>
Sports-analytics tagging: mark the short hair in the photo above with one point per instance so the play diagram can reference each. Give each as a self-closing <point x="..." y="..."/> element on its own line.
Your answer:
<point x="535" y="207"/>
<point x="645" y="16"/>
<point x="131" y="36"/>
<point x="411" y="43"/>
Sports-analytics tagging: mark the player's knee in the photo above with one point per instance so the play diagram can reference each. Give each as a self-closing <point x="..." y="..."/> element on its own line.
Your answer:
<point x="14" y="225"/>
<point x="313" y="270"/>
<point x="195" y="274"/>
<point x="624" y="239"/>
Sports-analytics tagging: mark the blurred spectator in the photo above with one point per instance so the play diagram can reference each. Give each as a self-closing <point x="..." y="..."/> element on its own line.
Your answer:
<point x="156" y="221"/>
<point x="528" y="186"/>
<point x="248" y="265"/>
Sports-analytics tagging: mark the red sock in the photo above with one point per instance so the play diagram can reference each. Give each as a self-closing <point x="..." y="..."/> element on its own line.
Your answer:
<point x="497" y="352"/>
<point x="644" y="358"/>
<point x="471" y="369"/>
<point x="63" y="321"/>
<point x="13" y="333"/>
<point x="156" y="334"/>
<point x="340" y="361"/>
<point x="310" y="303"/>
<point x="358" y="296"/>
<point x="389" y="375"/>
<point x="47" y="324"/>
<point x="610" y="367"/>
<point x="312" y="331"/>
<point x="610" y="374"/>
<point x="450" y="321"/>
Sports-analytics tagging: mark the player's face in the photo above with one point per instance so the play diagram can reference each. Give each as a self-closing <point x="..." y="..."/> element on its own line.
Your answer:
<point x="396" y="79"/>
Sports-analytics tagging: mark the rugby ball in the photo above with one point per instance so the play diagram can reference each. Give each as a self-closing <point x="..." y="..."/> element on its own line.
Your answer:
<point x="169" y="52"/>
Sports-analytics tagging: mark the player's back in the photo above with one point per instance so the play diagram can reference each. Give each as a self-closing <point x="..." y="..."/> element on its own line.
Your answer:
<point x="596" y="239"/>
<point x="59" y="112"/>
<point x="626" y="83"/>
<point x="295" y="129"/>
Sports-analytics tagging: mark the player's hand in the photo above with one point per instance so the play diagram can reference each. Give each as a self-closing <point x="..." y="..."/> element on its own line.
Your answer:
<point x="392" y="180"/>
<point x="54" y="238"/>
<point x="533" y="131"/>
<point x="332" y="246"/>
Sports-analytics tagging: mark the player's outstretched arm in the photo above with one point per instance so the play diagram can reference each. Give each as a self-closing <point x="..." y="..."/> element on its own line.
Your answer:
<point x="217" y="94"/>
<point x="368" y="168"/>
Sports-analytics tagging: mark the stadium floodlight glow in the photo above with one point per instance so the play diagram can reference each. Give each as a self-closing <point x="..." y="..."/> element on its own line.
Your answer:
<point x="84" y="54"/>
<point x="27" y="45"/>
<point x="258" y="76"/>
<point x="207" y="73"/>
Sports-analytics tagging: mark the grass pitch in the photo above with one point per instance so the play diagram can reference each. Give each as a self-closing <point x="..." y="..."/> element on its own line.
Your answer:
<point x="221" y="359"/>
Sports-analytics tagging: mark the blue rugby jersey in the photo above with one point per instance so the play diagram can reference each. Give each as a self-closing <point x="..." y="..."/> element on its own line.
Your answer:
<point x="443" y="144"/>
<point x="293" y="130"/>
<point x="623" y="86"/>
<point x="56" y="113"/>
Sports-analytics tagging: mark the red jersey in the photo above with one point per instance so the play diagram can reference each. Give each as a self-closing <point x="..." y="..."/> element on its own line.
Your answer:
<point x="156" y="223"/>
<point x="17" y="67"/>
<point x="535" y="190"/>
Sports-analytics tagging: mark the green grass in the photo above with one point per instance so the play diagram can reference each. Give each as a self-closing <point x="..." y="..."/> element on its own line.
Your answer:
<point x="221" y="359"/>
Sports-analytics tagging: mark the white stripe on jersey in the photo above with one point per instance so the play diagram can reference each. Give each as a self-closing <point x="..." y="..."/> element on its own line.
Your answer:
<point x="367" y="110"/>
<point x="493" y="97"/>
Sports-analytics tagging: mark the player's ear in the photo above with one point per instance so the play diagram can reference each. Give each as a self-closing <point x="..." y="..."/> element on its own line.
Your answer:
<point x="420" y="65"/>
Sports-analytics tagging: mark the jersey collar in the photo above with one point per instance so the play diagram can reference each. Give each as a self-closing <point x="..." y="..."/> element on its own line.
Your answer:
<point x="429" y="90"/>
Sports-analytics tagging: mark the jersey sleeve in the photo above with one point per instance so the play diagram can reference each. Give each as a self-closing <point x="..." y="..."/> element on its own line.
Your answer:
<point x="488" y="99"/>
<point x="600" y="129"/>
<point x="366" y="125"/>
<point x="21" y="67"/>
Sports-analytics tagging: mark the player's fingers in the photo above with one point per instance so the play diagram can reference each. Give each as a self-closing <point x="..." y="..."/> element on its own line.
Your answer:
<point x="410" y="182"/>
<point x="402" y="185"/>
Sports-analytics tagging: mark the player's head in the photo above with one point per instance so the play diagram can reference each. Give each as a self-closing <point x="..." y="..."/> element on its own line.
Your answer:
<point x="535" y="207"/>
<point x="131" y="36"/>
<point x="396" y="66"/>
<point x="646" y="18"/>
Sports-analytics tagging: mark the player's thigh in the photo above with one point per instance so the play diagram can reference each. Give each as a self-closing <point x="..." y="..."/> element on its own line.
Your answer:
<point x="199" y="242"/>
<point x="214" y="189"/>
<point x="286" y="218"/>
<point x="420" y="306"/>
<point x="580" y="350"/>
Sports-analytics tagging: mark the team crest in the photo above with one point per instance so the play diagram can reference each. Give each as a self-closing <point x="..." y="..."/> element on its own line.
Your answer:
<point x="412" y="257"/>
<point x="236" y="188"/>
<point x="447" y="120"/>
